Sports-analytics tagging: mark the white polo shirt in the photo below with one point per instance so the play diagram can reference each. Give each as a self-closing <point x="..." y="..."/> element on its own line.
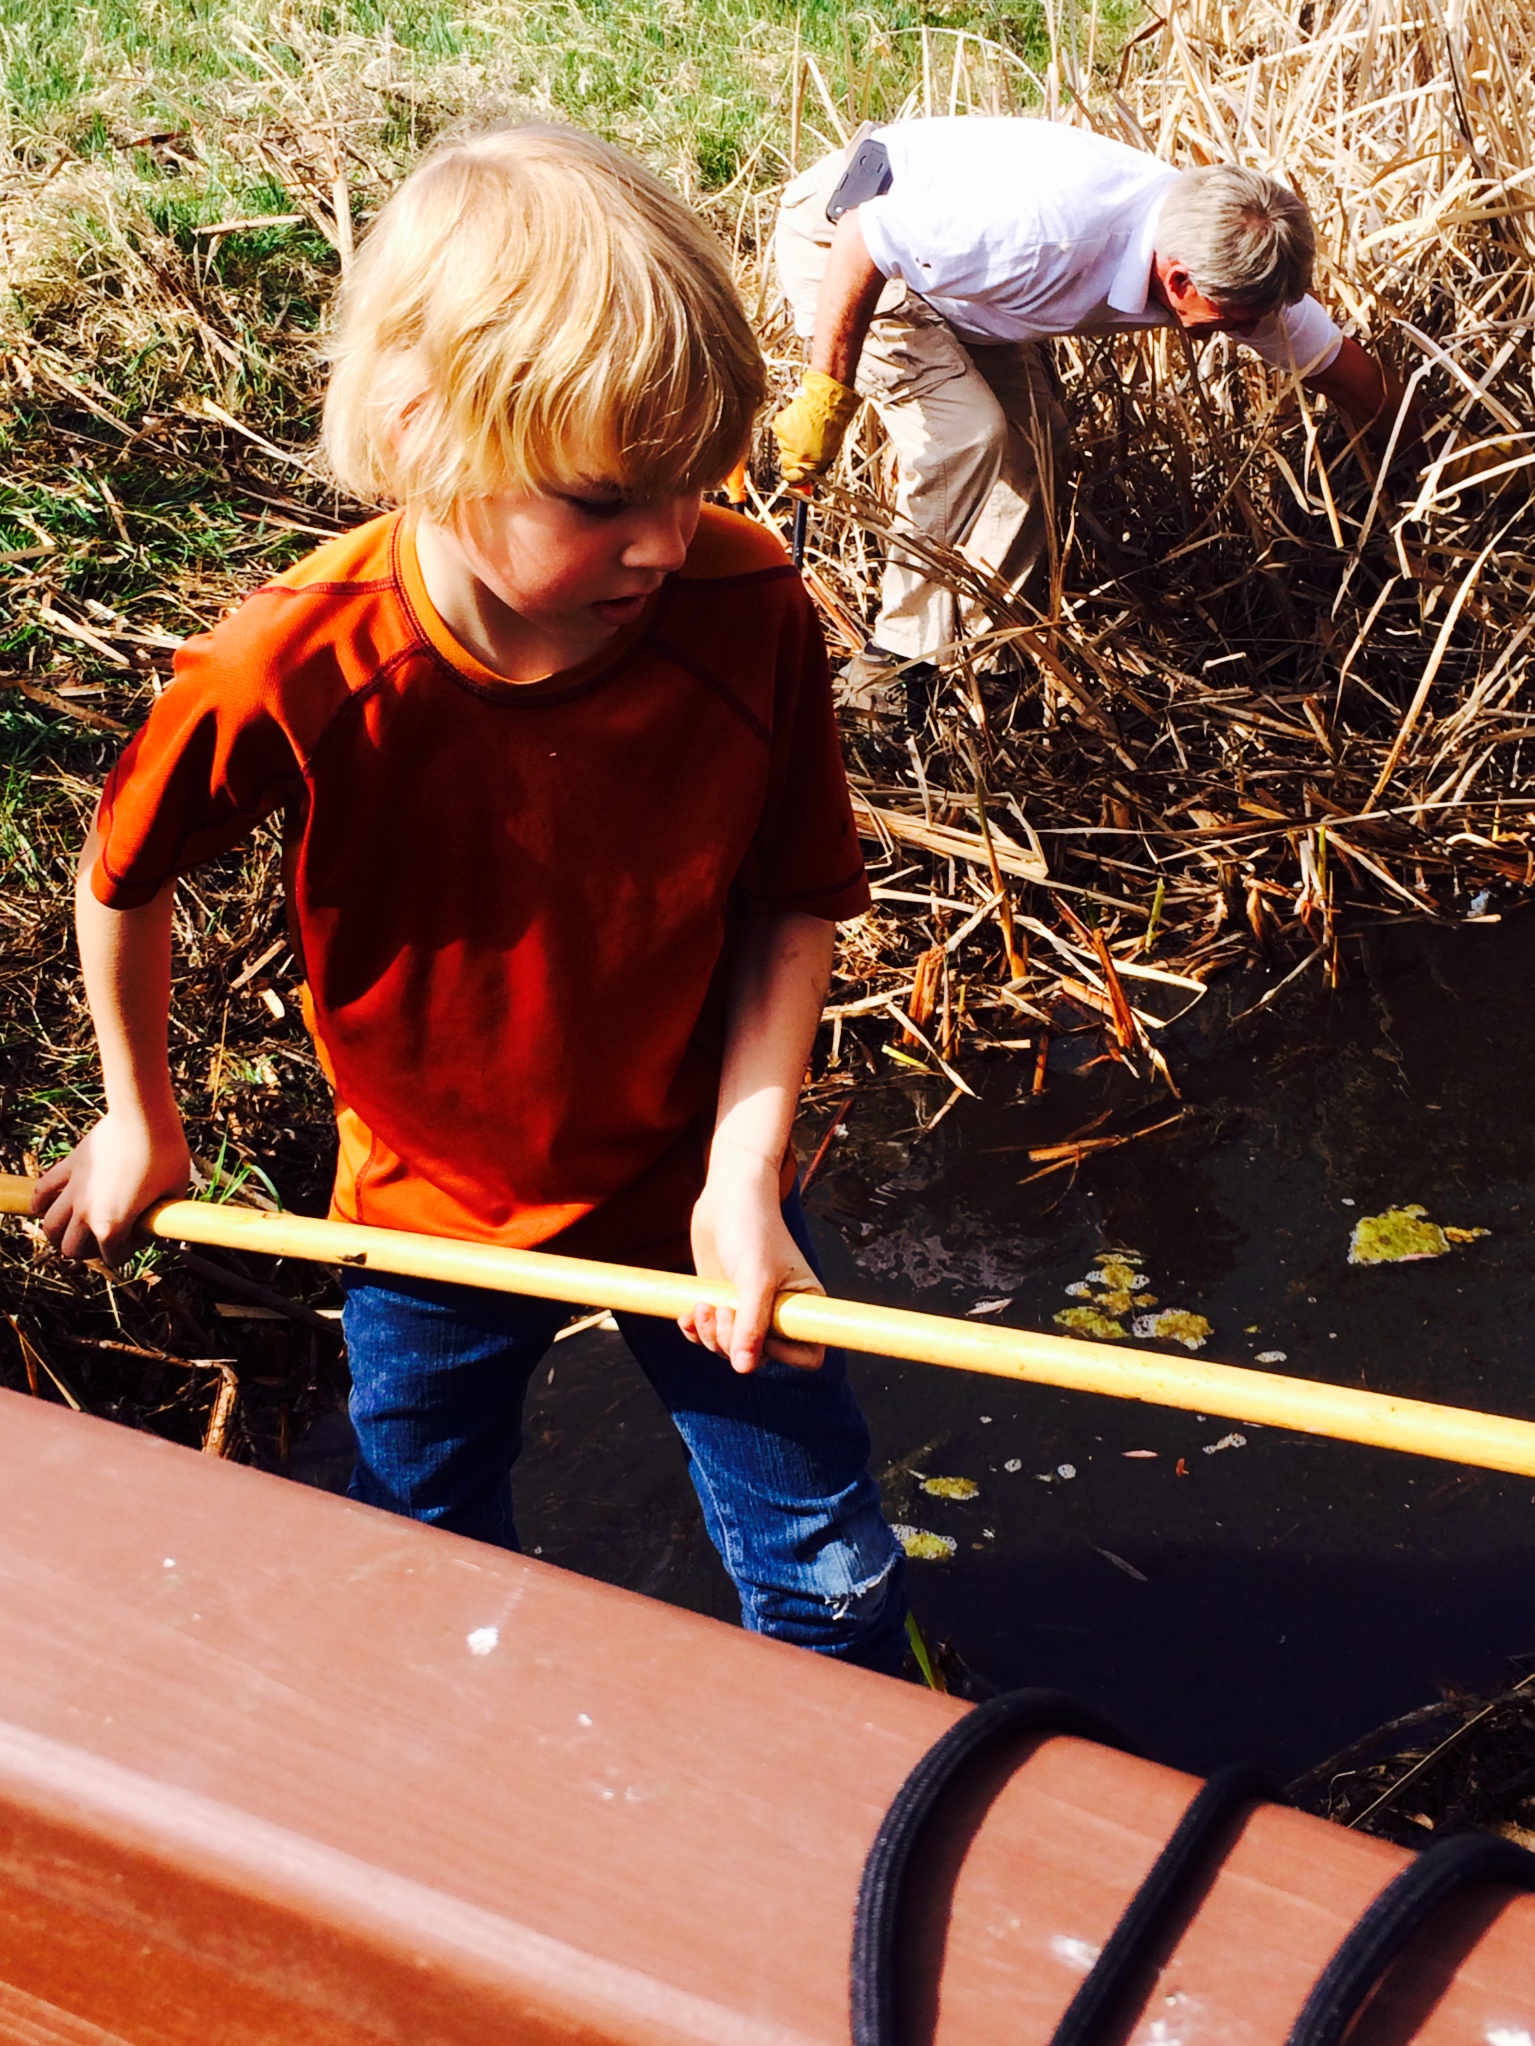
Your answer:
<point x="1018" y="230"/>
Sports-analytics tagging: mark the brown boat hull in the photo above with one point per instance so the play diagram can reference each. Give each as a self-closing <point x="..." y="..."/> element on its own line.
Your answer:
<point x="277" y="1767"/>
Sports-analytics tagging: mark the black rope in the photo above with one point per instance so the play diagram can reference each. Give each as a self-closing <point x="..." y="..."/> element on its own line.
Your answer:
<point x="1183" y="1862"/>
<point x="1380" y="1935"/>
<point x="882" y="1890"/>
<point x="1390" y="1922"/>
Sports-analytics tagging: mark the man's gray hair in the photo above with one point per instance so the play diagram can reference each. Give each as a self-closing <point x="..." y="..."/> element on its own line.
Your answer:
<point x="1246" y="240"/>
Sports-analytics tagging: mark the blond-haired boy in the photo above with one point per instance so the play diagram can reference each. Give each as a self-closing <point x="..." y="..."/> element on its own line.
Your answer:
<point x="567" y="835"/>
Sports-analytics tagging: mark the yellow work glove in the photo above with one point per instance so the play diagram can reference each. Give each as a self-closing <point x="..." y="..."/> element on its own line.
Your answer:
<point x="809" y="429"/>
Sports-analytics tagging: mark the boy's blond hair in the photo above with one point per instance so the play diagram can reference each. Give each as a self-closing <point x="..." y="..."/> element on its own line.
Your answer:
<point x="533" y="309"/>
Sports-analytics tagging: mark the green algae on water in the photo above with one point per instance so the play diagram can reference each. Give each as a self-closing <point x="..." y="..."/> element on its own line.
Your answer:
<point x="1119" y="1300"/>
<point x="951" y="1488"/>
<point x="1115" y="1289"/>
<point x="1403" y="1235"/>
<point x="1088" y="1321"/>
<point x="1118" y="1273"/>
<point x="923" y="1546"/>
<point x="1120" y="1282"/>
<point x="1173" y="1325"/>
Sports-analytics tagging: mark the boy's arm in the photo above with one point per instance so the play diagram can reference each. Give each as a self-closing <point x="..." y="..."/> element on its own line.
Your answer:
<point x="90" y="1200"/>
<point x="778" y="988"/>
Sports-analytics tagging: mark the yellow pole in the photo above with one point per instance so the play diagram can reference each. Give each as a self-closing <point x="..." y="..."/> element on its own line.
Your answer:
<point x="1493" y="1442"/>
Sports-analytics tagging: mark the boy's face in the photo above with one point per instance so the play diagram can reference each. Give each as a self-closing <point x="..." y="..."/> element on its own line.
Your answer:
<point x="578" y="564"/>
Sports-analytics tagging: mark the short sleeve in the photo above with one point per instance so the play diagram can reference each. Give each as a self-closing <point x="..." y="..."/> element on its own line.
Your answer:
<point x="210" y="763"/>
<point x="805" y="854"/>
<point x="1301" y="337"/>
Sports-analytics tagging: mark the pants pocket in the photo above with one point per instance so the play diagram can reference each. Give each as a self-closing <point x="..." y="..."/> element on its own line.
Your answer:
<point x="910" y="351"/>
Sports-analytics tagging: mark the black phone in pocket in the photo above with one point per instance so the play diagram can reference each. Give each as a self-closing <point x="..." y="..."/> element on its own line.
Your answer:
<point x="867" y="175"/>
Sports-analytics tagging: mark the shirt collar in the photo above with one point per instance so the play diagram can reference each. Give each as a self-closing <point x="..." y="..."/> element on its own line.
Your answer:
<point x="1131" y="288"/>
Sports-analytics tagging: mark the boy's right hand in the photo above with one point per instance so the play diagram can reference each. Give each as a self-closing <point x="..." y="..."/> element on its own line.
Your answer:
<point x="89" y="1202"/>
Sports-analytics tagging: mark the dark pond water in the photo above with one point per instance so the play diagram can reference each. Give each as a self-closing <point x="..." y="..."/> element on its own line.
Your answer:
<point x="1277" y="1598"/>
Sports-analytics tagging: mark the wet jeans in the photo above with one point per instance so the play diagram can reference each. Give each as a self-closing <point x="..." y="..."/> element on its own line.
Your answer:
<point x="779" y="1459"/>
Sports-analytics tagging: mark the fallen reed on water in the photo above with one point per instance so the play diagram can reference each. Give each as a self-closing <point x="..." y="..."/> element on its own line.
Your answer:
<point x="1463" y="1764"/>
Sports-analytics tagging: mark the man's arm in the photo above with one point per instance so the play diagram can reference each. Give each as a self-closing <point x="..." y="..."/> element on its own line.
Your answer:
<point x="849" y="293"/>
<point x="810" y="428"/>
<point x="777" y="992"/>
<point x="90" y="1200"/>
<point x="1370" y="392"/>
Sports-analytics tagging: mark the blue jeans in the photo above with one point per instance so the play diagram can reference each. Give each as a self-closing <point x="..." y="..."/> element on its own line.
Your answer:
<point x="779" y="1459"/>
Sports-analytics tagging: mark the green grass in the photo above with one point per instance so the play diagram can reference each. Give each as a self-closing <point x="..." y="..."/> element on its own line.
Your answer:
<point x="59" y="57"/>
<point x="703" y="88"/>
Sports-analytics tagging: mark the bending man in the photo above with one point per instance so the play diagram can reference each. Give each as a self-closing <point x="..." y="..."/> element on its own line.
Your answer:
<point x="961" y="244"/>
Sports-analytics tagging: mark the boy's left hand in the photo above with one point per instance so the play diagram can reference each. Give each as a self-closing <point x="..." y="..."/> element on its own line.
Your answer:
<point x="739" y="1235"/>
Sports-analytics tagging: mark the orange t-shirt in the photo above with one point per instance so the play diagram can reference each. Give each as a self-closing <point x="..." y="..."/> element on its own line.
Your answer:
<point x="515" y="902"/>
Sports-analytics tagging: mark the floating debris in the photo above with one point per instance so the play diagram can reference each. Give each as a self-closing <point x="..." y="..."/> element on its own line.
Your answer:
<point x="1272" y="1357"/>
<point x="1014" y="1463"/>
<point x="1119" y="1563"/>
<point x="1232" y="1441"/>
<point x="1173" y="1325"/>
<point x="991" y="1306"/>
<point x="923" y="1546"/>
<point x="1402" y="1236"/>
<point x="1090" y="1321"/>
<point x="1065" y="1470"/>
<point x="950" y="1488"/>
<point x="1138" y="1452"/>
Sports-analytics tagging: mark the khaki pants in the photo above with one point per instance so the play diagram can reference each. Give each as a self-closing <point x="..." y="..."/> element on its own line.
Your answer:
<point x="976" y="433"/>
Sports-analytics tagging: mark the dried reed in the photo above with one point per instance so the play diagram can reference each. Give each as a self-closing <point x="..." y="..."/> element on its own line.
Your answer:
<point x="1270" y="686"/>
<point x="1463" y="1764"/>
